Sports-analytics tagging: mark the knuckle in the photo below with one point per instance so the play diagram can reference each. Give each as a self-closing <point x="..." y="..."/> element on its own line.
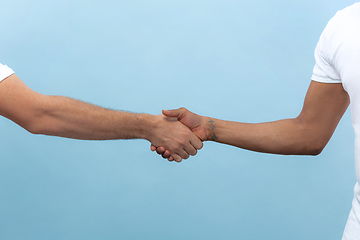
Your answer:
<point x="184" y="138"/>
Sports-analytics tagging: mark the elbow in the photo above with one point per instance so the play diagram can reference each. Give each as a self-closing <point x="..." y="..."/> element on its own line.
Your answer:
<point x="32" y="113"/>
<point x="306" y="150"/>
<point x="28" y="121"/>
<point x="33" y="125"/>
<point x="312" y="141"/>
<point x="37" y="122"/>
<point x="315" y="149"/>
<point x="33" y="128"/>
<point x="41" y="125"/>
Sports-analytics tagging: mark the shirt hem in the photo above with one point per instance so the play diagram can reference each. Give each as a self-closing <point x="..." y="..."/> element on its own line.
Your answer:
<point x="325" y="80"/>
<point x="5" y="72"/>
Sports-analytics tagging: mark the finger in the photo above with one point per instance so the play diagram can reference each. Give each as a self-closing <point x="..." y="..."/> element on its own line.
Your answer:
<point x="190" y="149"/>
<point x="173" y="113"/>
<point x="166" y="154"/>
<point x="171" y="159"/>
<point x="152" y="148"/>
<point x="183" y="154"/>
<point x="177" y="158"/>
<point x="196" y="142"/>
<point x="160" y="150"/>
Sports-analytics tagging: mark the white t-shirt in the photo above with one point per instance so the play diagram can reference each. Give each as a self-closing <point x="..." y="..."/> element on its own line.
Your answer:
<point x="337" y="56"/>
<point x="5" y="71"/>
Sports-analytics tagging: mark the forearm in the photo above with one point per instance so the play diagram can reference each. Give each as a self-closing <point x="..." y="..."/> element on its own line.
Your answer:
<point x="306" y="134"/>
<point x="288" y="136"/>
<point x="66" y="117"/>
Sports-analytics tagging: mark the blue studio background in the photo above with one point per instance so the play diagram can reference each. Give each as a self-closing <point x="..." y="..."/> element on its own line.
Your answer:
<point x="245" y="61"/>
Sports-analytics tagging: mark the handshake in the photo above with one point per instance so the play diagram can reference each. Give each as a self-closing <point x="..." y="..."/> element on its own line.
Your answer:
<point x="175" y="134"/>
<point x="178" y="134"/>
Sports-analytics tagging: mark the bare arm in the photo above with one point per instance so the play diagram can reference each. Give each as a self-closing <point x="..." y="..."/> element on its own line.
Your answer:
<point x="66" y="117"/>
<point x="306" y="134"/>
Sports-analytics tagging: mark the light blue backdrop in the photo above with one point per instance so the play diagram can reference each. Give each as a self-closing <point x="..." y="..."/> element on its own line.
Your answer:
<point x="237" y="60"/>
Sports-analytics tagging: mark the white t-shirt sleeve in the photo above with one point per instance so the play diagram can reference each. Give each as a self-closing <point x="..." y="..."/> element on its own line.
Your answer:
<point x="324" y="70"/>
<point x="5" y="72"/>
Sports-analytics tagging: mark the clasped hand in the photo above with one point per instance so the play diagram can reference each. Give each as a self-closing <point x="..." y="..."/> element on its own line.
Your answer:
<point x="180" y="136"/>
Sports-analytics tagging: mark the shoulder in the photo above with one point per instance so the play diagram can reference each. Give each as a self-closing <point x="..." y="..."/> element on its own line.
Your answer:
<point x="345" y="17"/>
<point x="341" y="27"/>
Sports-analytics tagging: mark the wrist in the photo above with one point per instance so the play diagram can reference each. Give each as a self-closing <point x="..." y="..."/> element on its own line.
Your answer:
<point x="210" y="128"/>
<point x="145" y="124"/>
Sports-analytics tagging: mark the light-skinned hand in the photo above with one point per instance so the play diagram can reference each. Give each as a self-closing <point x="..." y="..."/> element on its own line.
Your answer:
<point x="194" y="122"/>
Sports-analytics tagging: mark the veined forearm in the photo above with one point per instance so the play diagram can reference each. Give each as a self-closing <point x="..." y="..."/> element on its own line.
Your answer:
<point x="66" y="117"/>
<point x="288" y="136"/>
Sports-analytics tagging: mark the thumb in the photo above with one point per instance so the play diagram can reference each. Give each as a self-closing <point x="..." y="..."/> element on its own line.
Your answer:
<point x="176" y="113"/>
